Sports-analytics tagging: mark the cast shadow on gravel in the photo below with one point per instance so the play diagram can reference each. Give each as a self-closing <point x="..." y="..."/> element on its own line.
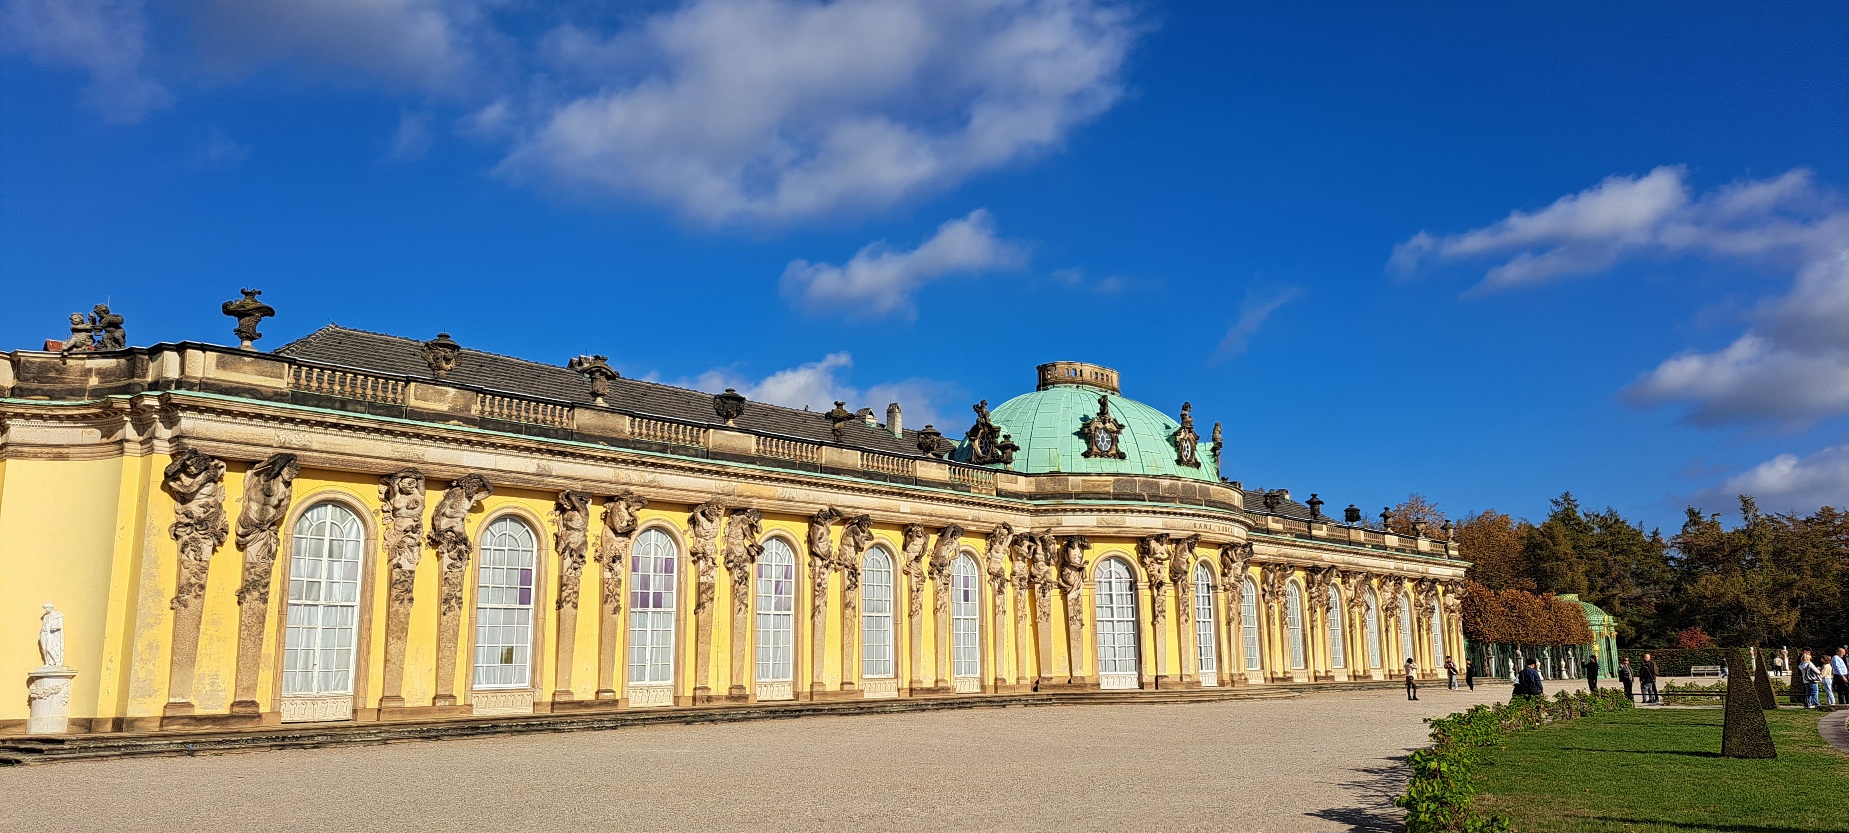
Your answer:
<point x="1373" y="791"/>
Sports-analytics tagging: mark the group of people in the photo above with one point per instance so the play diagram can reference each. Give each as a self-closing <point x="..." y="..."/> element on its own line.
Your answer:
<point x="1828" y="676"/>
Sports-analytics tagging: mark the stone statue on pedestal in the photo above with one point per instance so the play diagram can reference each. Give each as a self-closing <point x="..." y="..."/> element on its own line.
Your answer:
<point x="51" y="637"/>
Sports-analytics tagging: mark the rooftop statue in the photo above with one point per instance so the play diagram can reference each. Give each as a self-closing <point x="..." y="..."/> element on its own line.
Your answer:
<point x="249" y="312"/>
<point x="102" y="330"/>
<point x="1187" y="440"/>
<point x="838" y="420"/>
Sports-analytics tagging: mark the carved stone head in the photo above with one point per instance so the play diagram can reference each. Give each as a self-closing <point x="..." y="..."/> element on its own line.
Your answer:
<point x="441" y="354"/>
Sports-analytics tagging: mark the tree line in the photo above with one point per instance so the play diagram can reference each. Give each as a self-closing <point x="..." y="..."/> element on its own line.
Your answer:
<point x="1767" y="579"/>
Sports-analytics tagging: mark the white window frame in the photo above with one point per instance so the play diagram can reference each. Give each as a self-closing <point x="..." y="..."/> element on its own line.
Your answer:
<point x="965" y="618"/>
<point x="504" y="574"/>
<point x="319" y="641"/>
<point x="1406" y="640"/>
<point x="1207" y="649"/>
<point x="1114" y="611"/>
<point x="1438" y="635"/>
<point x="876" y="599"/>
<point x="775" y="589"/>
<point x="1248" y="624"/>
<point x="1293" y="623"/>
<point x="1373" y="629"/>
<point x="1338" y="653"/>
<point x="654" y="574"/>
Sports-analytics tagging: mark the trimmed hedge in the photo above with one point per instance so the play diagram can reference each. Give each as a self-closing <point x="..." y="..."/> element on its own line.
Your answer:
<point x="1443" y="775"/>
<point x="1672" y="662"/>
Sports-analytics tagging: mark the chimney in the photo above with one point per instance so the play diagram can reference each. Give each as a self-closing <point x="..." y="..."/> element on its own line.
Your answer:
<point x="895" y="421"/>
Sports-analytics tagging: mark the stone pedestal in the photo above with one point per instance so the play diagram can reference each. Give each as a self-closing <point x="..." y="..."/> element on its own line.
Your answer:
<point x="48" y="691"/>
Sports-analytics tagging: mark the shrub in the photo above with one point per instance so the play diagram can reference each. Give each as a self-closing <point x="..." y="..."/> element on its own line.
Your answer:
<point x="1443" y="775"/>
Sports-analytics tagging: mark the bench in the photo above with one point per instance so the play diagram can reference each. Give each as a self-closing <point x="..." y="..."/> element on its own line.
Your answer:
<point x="1704" y="671"/>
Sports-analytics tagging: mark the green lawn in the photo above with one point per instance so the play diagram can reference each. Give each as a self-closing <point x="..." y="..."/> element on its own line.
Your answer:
<point x="1660" y="771"/>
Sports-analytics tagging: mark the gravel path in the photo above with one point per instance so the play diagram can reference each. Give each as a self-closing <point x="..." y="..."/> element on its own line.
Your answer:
<point x="1325" y="762"/>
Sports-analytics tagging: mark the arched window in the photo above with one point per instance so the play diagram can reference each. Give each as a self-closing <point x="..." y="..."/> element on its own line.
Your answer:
<point x="965" y="624"/>
<point x="1204" y="627"/>
<point x="1373" y="629"/>
<point x="1406" y="612"/>
<point x="1293" y="620"/>
<point x="1438" y="635"/>
<point x="504" y="605"/>
<point x="776" y="579"/>
<point x="653" y="561"/>
<point x="876" y="615"/>
<point x="324" y="601"/>
<point x="1115" y="603"/>
<point x="1248" y="622"/>
<point x="1337" y="657"/>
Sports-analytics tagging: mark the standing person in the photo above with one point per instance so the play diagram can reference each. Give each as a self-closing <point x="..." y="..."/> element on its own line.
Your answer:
<point x="1778" y="663"/>
<point x="1592" y="672"/>
<point x="1840" y="675"/>
<point x="1808" y="675"/>
<point x="1647" y="675"/>
<point x="1529" y="682"/>
<point x="1624" y="676"/>
<point x="1412" y="680"/>
<point x="1470" y="674"/>
<point x="1450" y="673"/>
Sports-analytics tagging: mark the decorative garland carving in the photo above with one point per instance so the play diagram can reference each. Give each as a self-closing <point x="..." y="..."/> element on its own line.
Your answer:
<point x="268" y="488"/>
<point x="621" y="517"/>
<point x="572" y="513"/>
<point x="196" y="481"/>
<point x="449" y="535"/>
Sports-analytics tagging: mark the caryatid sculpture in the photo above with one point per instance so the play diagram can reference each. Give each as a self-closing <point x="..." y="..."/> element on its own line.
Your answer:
<point x="621" y="518"/>
<point x="913" y="566"/>
<point x="943" y="554"/>
<point x="1020" y="552"/>
<point x="1180" y="566"/>
<point x="821" y="564"/>
<point x="572" y="538"/>
<point x="1000" y="541"/>
<point x="401" y="509"/>
<point x="197" y="482"/>
<point x="856" y="537"/>
<point x="1072" y="551"/>
<point x="268" y="487"/>
<point x="450" y="537"/>
<point x="703" y="553"/>
<point x="1157" y="555"/>
<point x="742" y="548"/>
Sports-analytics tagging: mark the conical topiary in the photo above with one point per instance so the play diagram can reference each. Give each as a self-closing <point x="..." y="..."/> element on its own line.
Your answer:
<point x="1762" y="683"/>
<point x="1744" y="733"/>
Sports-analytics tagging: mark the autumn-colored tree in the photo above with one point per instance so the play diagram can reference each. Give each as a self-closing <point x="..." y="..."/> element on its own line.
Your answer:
<point x="1416" y="507"/>
<point x="1517" y="617"/>
<point x="1693" y="638"/>
<point x="1492" y="542"/>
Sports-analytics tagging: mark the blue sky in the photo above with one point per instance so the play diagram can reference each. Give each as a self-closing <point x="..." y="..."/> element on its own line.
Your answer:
<point x="1485" y="254"/>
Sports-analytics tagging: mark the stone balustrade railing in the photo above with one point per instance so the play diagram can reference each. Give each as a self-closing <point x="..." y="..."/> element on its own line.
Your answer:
<point x="788" y="449"/>
<point x="346" y="384"/>
<point x="523" y="410"/>
<point x="663" y="431"/>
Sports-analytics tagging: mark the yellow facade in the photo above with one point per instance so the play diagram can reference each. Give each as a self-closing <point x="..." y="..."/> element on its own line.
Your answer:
<point x="85" y="516"/>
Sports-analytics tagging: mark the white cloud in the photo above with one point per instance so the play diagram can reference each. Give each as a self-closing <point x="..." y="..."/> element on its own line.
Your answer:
<point x="1789" y="368"/>
<point x="732" y="110"/>
<point x="105" y="38"/>
<point x="222" y="151"/>
<point x="1253" y="311"/>
<point x="1790" y="483"/>
<point x="412" y="139"/>
<point x="880" y="281"/>
<point x="425" y="46"/>
<point x="818" y="385"/>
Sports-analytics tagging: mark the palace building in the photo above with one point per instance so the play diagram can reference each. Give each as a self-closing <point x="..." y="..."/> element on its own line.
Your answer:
<point x="362" y="527"/>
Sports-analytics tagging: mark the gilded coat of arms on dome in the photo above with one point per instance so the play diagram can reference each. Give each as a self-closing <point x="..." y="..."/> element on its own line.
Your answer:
<point x="1101" y="433"/>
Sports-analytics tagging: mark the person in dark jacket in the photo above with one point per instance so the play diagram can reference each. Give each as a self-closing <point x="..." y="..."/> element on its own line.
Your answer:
<point x="1592" y="673"/>
<point x="1412" y="680"/>
<point x="1647" y="676"/>
<point x="1528" y="683"/>
<point x="1470" y="674"/>
<point x="1624" y="676"/>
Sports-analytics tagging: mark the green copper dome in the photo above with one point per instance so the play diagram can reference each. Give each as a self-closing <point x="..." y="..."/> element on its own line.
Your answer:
<point x="1048" y="425"/>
